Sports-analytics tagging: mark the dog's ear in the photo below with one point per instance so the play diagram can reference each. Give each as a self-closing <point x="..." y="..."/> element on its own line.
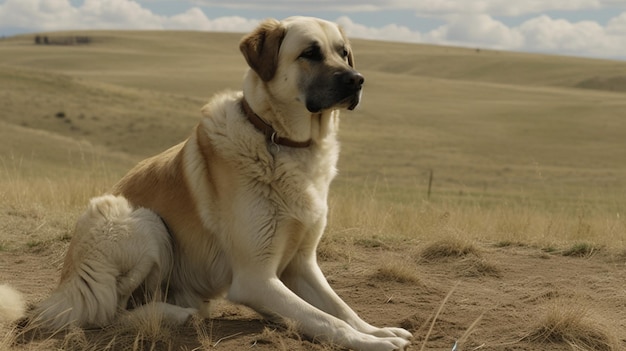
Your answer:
<point x="260" y="48"/>
<point x="348" y="47"/>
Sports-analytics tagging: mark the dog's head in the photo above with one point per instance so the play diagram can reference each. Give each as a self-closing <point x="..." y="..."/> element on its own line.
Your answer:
<point x="304" y="59"/>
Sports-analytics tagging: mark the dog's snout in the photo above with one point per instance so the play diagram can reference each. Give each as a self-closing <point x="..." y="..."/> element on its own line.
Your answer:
<point x="352" y="79"/>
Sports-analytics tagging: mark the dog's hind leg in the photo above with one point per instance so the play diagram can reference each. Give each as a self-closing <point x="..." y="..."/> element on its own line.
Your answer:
<point x="114" y="250"/>
<point x="158" y="311"/>
<point x="151" y="268"/>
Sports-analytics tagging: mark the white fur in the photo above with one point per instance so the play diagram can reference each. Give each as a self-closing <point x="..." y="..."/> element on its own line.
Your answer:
<point x="12" y="304"/>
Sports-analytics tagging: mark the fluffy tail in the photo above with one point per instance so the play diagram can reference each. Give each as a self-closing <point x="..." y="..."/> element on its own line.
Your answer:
<point x="88" y="297"/>
<point x="12" y="306"/>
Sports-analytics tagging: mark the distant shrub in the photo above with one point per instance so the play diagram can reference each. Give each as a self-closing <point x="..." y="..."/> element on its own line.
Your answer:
<point x="71" y="40"/>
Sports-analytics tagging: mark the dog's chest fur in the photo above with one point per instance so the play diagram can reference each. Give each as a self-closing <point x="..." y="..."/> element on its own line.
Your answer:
<point x="296" y="181"/>
<point x="279" y="193"/>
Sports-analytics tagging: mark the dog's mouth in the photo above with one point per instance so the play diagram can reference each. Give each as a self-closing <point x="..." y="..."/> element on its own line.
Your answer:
<point x="349" y="102"/>
<point x="340" y="90"/>
<point x="354" y="101"/>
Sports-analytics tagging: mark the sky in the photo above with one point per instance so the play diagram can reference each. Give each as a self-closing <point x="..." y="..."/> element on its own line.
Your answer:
<point x="589" y="28"/>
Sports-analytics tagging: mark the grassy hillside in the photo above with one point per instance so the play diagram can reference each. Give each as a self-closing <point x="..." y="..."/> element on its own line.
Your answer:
<point x="492" y="126"/>
<point x="522" y="241"/>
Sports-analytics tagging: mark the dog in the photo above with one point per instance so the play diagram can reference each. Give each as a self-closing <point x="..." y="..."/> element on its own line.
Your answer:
<point x="237" y="210"/>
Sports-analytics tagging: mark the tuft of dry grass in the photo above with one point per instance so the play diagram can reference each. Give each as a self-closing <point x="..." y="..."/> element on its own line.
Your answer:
<point x="581" y="249"/>
<point x="396" y="271"/>
<point x="473" y="266"/>
<point x="76" y="339"/>
<point x="449" y="248"/>
<point x="574" y="324"/>
<point x="148" y="327"/>
<point x="205" y="335"/>
<point x="7" y="337"/>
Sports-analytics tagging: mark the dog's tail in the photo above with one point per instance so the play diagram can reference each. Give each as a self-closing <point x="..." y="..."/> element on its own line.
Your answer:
<point x="12" y="306"/>
<point x="87" y="297"/>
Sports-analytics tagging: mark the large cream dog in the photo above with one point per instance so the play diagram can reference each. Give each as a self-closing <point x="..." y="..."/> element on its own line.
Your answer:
<point x="238" y="209"/>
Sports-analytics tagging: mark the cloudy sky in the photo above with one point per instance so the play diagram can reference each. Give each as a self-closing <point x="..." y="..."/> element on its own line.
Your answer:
<point x="592" y="28"/>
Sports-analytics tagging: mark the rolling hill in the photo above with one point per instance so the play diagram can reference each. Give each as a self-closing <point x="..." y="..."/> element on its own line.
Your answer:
<point x="488" y="124"/>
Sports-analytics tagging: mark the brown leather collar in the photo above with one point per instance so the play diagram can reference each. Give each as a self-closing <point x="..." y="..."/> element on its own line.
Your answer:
<point x="268" y="131"/>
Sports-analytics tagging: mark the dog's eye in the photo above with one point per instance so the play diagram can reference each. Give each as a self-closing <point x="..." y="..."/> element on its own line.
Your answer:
<point x="344" y="52"/>
<point x="313" y="53"/>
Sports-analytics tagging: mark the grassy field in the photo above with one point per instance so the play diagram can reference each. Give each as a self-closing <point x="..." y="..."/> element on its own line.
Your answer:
<point x="492" y="126"/>
<point x="526" y="152"/>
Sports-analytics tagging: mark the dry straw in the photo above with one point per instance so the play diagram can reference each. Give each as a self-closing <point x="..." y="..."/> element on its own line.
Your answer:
<point x="575" y="324"/>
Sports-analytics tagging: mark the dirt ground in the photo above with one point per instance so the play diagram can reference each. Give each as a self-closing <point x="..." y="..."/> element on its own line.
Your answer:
<point x="504" y="297"/>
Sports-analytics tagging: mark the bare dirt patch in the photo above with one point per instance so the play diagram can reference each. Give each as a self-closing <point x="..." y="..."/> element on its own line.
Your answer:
<point x="534" y="302"/>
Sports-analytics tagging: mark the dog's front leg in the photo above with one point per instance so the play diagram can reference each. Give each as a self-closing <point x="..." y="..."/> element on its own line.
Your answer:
<point x="305" y="278"/>
<point x="267" y="294"/>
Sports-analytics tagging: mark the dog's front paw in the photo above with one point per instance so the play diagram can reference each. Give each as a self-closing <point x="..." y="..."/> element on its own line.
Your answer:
<point x="393" y="332"/>
<point x="400" y="343"/>
<point x="386" y="344"/>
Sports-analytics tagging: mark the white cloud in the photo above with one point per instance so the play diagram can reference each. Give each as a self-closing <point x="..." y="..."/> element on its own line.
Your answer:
<point x="474" y="24"/>
<point x="389" y="32"/>
<point x="297" y="5"/>
<point x="538" y="34"/>
<point x="617" y="25"/>
<point x="195" y="19"/>
<point x="546" y="33"/>
<point x="117" y="13"/>
<point x="423" y="7"/>
<point x="478" y="29"/>
<point x="38" y="15"/>
<point x="499" y="7"/>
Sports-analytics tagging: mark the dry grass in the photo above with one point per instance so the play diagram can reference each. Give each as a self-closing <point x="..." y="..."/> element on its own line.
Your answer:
<point x="449" y="248"/>
<point x="205" y="335"/>
<point x="576" y="325"/>
<point x="396" y="270"/>
<point x="581" y="250"/>
<point x="469" y="261"/>
<point x="365" y="217"/>
<point x="474" y="266"/>
<point x="148" y="329"/>
<point x="7" y="337"/>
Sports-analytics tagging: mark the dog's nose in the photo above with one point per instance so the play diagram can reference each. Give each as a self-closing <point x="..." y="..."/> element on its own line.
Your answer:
<point x="352" y="79"/>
